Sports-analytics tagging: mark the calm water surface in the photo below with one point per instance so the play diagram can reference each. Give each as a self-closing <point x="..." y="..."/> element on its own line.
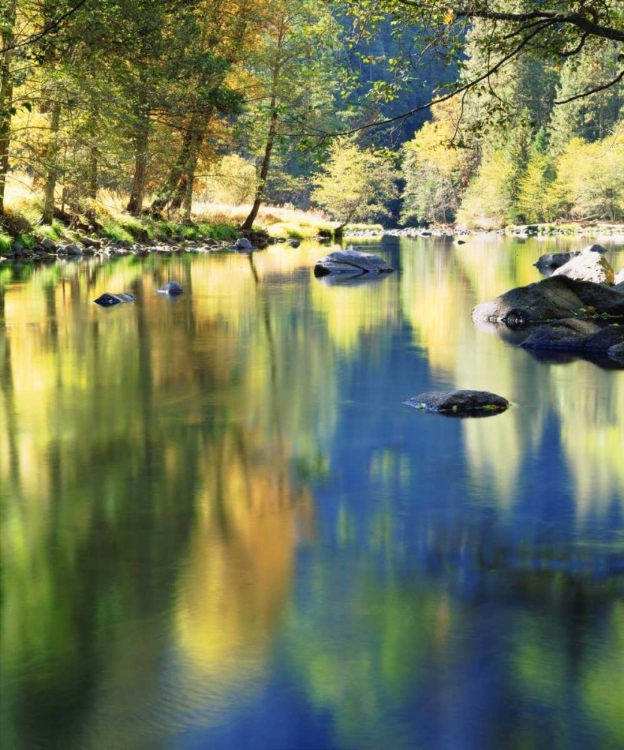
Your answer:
<point x="221" y="527"/>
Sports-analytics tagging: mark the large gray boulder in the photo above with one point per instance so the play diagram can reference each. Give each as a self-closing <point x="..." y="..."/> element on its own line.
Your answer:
<point x="459" y="402"/>
<point x="351" y="262"/>
<point x="575" y="335"/>
<point x="588" y="265"/>
<point x="550" y="299"/>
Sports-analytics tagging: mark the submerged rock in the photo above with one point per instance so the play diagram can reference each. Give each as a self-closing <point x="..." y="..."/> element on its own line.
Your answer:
<point x="617" y="352"/>
<point x="589" y="265"/>
<point x="474" y="403"/>
<point x="110" y="300"/>
<point x="550" y="299"/>
<point x="575" y="335"/>
<point x="351" y="262"/>
<point x="171" y="287"/>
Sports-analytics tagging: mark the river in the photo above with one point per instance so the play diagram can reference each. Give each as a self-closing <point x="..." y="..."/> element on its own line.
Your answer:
<point x="222" y="528"/>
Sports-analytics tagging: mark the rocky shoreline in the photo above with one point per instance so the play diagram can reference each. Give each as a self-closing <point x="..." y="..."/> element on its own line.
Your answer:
<point x="46" y="249"/>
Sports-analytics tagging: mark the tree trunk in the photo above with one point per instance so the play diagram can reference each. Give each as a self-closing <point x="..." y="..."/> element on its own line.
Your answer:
<point x="190" y="182"/>
<point x="6" y="97"/>
<point x="94" y="156"/>
<point x="137" y="193"/>
<point x="93" y="172"/>
<point x="264" y="169"/>
<point x="52" y="163"/>
<point x="174" y="190"/>
<point x="184" y="189"/>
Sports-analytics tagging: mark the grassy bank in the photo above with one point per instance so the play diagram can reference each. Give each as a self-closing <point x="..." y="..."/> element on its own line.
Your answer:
<point x="106" y="218"/>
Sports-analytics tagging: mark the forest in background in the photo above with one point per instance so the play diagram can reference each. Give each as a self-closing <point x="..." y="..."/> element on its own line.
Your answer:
<point x="160" y="109"/>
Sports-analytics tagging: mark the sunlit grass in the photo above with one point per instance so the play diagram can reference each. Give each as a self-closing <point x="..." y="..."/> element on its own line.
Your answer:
<point x="215" y="220"/>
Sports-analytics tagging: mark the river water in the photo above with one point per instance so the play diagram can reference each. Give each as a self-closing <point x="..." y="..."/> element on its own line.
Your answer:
<point x="222" y="528"/>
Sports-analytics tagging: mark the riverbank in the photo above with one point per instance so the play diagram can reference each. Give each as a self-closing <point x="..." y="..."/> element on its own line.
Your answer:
<point x="106" y="228"/>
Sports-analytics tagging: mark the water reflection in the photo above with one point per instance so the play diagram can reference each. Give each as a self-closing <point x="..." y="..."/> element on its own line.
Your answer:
<point x="221" y="526"/>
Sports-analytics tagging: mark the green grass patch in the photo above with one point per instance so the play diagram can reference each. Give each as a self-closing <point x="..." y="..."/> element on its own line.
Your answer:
<point x="26" y="240"/>
<point x="5" y="242"/>
<point x="219" y="231"/>
<point x="364" y="228"/>
<point x="52" y="231"/>
<point x="114" y="231"/>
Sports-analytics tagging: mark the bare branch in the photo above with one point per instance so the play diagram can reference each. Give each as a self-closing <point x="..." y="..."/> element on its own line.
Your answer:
<point x="593" y="90"/>
<point x="421" y="108"/>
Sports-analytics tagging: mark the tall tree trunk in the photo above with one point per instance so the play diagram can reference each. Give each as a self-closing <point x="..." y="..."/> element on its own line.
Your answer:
<point x="174" y="190"/>
<point x="6" y="96"/>
<point x="52" y="163"/>
<point x="190" y="182"/>
<point x="92" y="175"/>
<point x="185" y="184"/>
<point x="137" y="193"/>
<point x="94" y="155"/>
<point x="264" y="169"/>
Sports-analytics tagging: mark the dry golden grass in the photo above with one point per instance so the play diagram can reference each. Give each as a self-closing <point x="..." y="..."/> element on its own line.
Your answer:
<point x="24" y="199"/>
<point x="285" y="221"/>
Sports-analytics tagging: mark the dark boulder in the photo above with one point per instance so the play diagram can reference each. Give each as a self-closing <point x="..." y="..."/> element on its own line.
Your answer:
<point x="91" y="243"/>
<point x="471" y="403"/>
<point x="575" y="335"/>
<point x="171" y="287"/>
<point x="111" y="300"/>
<point x="550" y="299"/>
<point x="351" y="262"/>
<point x="48" y="244"/>
<point x="553" y="260"/>
<point x="293" y="243"/>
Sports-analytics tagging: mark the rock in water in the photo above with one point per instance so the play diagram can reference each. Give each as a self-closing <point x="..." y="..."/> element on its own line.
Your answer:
<point x="467" y="403"/>
<point x="242" y="243"/>
<point x="553" y="260"/>
<point x="575" y="335"/>
<point x="589" y="265"/>
<point x="171" y="287"/>
<point x="551" y="299"/>
<point x="351" y="262"/>
<point x="617" y="352"/>
<point x="110" y="300"/>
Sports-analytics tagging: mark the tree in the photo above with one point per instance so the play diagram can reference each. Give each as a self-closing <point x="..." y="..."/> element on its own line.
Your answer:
<point x="7" y="35"/>
<point x="355" y="184"/>
<point x="535" y="201"/>
<point x="552" y="31"/>
<point x="489" y="200"/>
<point x="296" y="75"/>
<point x="590" y="179"/>
<point x="435" y="170"/>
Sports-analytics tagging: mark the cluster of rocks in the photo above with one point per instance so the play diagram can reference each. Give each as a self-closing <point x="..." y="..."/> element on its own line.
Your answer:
<point x="171" y="289"/>
<point x="580" y="308"/>
<point x="45" y="248"/>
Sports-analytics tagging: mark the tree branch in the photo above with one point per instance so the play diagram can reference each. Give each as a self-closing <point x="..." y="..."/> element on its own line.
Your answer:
<point x="593" y="90"/>
<point x="557" y="17"/>
<point x="52" y="26"/>
<point x="470" y="84"/>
